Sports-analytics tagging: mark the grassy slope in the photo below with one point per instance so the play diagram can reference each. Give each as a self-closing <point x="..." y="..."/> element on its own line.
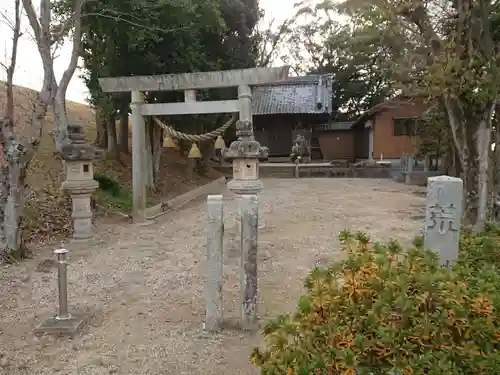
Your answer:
<point x="47" y="213"/>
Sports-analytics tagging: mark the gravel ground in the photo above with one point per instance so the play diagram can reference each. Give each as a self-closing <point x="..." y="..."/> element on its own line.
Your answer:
<point x="142" y="287"/>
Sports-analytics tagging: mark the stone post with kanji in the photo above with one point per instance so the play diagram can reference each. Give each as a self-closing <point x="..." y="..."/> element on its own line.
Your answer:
<point x="444" y="205"/>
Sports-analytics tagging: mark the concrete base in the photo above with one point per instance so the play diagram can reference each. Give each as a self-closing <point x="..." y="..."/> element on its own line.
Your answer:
<point x="68" y="327"/>
<point x="229" y="326"/>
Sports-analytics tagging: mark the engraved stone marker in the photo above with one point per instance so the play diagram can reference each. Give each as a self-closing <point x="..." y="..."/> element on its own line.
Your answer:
<point x="249" y="211"/>
<point x="443" y="217"/>
<point x="215" y="236"/>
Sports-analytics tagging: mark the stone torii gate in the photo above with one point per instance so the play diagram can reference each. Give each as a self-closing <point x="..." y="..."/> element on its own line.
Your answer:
<point x="244" y="152"/>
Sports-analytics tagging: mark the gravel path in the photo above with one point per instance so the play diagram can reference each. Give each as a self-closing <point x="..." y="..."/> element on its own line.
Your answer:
<point x="143" y="286"/>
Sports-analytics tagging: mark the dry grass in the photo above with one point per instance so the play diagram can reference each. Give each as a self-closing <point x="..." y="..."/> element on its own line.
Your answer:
<point x="47" y="212"/>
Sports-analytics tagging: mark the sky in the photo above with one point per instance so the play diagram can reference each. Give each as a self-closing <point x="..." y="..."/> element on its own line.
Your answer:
<point x="29" y="70"/>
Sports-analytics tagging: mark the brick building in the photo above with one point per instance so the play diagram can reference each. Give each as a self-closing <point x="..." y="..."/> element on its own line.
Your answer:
<point x="389" y="128"/>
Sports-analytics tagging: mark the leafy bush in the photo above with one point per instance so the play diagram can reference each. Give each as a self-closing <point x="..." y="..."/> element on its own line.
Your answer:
<point x="107" y="184"/>
<point x="121" y="202"/>
<point x="388" y="311"/>
<point x="111" y="194"/>
<point x="478" y="250"/>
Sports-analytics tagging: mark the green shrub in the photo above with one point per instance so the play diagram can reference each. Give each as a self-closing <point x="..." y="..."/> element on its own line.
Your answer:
<point x="388" y="311"/>
<point x="111" y="194"/>
<point x="480" y="249"/>
<point x="121" y="202"/>
<point x="107" y="184"/>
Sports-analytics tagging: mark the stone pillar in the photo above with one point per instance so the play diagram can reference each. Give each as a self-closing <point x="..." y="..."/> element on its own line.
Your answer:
<point x="80" y="183"/>
<point x="409" y="169"/>
<point x="369" y="125"/>
<point x="426" y="163"/>
<point x="443" y="215"/>
<point x="82" y="214"/>
<point x="215" y="237"/>
<point x="245" y="101"/>
<point x="138" y="158"/>
<point x="249" y="238"/>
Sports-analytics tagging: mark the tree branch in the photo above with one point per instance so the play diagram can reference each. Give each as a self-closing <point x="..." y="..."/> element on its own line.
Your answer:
<point x="75" y="53"/>
<point x="9" y="109"/>
<point x="272" y="41"/>
<point x="42" y="37"/>
<point x="31" y="13"/>
<point x="420" y="18"/>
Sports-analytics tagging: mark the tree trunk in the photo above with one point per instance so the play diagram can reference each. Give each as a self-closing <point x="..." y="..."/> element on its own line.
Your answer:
<point x="60" y="119"/>
<point x="483" y="144"/>
<point x="102" y="130"/>
<point x="448" y="166"/>
<point x="12" y="187"/>
<point x="207" y="151"/>
<point x="183" y="148"/>
<point x="472" y="138"/>
<point x="112" y="138"/>
<point x="124" y="131"/>
<point x="496" y="174"/>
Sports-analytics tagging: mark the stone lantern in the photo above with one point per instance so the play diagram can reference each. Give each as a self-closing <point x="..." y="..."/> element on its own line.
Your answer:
<point x="245" y="154"/>
<point x="80" y="183"/>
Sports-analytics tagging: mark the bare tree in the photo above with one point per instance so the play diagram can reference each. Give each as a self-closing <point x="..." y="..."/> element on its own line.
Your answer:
<point x="270" y="39"/>
<point x="46" y="38"/>
<point x="18" y="150"/>
<point x="16" y="29"/>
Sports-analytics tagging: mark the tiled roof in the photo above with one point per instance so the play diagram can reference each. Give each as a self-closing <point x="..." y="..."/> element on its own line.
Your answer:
<point x="308" y="94"/>
<point x="340" y="125"/>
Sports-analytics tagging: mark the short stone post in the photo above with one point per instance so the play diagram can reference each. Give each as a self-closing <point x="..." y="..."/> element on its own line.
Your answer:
<point x="402" y="166"/>
<point x="215" y="236"/>
<point x="409" y="169"/>
<point x="443" y="215"/>
<point x="426" y="163"/>
<point x="80" y="183"/>
<point x="63" y="323"/>
<point x="297" y="167"/>
<point x="62" y="283"/>
<point x="249" y="279"/>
